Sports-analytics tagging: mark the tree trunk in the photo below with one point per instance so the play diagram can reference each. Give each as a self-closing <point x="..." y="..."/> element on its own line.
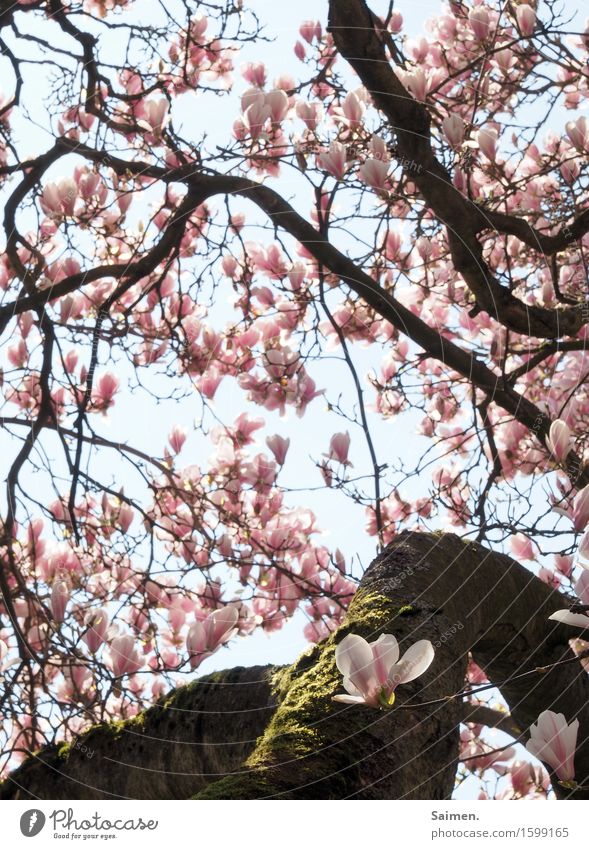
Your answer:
<point x="459" y="595"/>
<point x="192" y="736"/>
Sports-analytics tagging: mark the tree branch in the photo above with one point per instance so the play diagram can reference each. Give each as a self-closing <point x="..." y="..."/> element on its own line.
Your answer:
<point x="364" y="49"/>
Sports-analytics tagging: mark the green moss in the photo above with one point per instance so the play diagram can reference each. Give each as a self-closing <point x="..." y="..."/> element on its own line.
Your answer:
<point x="63" y="751"/>
<point x="247" y="785"/>
<point x="302" y="741"/>
<point x="368" y="611"/>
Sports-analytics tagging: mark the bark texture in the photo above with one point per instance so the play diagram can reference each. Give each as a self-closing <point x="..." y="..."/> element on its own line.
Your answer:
<point x="461" y="596"/>
<point x="193" y="735"/>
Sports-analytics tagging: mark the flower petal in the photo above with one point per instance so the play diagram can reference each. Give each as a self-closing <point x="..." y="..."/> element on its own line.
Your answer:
<point x="349" y="700"/>
<point x="353" y="657"/>
<point x="385" y="652"/>
<point x="414" y="662"/>
<point x="579" y="620"/>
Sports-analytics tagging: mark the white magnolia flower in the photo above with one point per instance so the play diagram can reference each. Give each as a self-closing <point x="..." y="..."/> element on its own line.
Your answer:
<point x="373" y="671"/>
<point x="554" y="741"/>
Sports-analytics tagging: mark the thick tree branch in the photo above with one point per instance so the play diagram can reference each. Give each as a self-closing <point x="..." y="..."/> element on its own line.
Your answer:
<point x="363" y="47"/>
<point x="188" y="738"/>
<point x="285" y="217"/>
<point x="462" y="597"/>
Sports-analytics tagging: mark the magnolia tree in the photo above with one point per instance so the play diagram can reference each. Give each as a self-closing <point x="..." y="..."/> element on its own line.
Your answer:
<point x="386" y="228"/>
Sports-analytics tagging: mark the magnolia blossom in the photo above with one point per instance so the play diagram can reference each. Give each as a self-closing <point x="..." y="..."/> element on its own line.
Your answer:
<point x="478" y="19"/>
<point x="96" y="622"/>
<point x="277" y="103"/>
<point x="155" y="114"/>
<point x="454" y="127"/>
<point x="310" y="113"/>
<point x="59" y="198"/>
<point x="579" y="620"/>
<point x="578" y="133"/>
<point x="279" y="446"/>
<point x="558" y="440"/>
<point x="522" y="547"/>
<point x="526" y="19"/>
<point x="255" y="116"/>
<point x="373" y="671"/>
<point x="177" y="438"/>
<point x="124" y="657"/>
<point x="60" y="596"/>
<point x="553" y="741"/>
<point x="204" y="637"/>
<point x="339" y="447"/>
<point x="583" y="550"/>
<point x="487" y="142"/>
<point x="353" y="109"/>
<point x="581" y="509"/>
<point x="334" y="160"/>
<point x="104" y="391"/>
<point x="374" y="173"/>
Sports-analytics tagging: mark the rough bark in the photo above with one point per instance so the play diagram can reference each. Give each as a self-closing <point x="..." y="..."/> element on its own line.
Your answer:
<point x="460" y="595"/>
<point x="192" y="736"/>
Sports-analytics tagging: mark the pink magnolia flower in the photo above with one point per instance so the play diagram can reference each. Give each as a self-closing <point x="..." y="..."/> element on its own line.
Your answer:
<point x="526" y="19"/>
<point x="96" y="622"/>
<point x="478" y="19"/>
<point x="3" y="650"/>
<point x="243" y="428"/>
<point x="583" y="550"/>
<point x="581" y="509"/>
<point x="310" y="30"/>
<point x="559" y="441"/>
<point x="254" y="73"/>
<point x="155" y="114"/>
<point x="564" y="564"/>
<point x="310" y="113"/>
<point x="554" y="741"/>
<point x="209" y="383"/>
<point x="125" y="517"/>
<point x="124" y="657"/>
<point x="255" y="116"/>
<point x="78" y="680"/>
<point x="353" y="109"/>
<point x="487" y="142"/>
<point x="277" y="103"/>
<point x="525" y="777"/>
<point x="578" y="620"/>
<point x="522" y="547"/>
<point x="58" y="199"/>
<point x="374" y="173"/>
<point x="416" y="82"/>
<point x="334" y="160"/>
<point x="453" y="127"/>
<point x="104" y="391"/>
<point x="299" y="50"/>
<point x="578" y="133"/>
<point x="177" y="438"/>
<point x="378" y="147"/>
<point x="396" y="22"/>
<point x="60" y="595"/>
<point x="279" y="446"/>
<point x="339" y="447"/>
<point x="206" y="636"/>
<point x="373" y="671"/>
